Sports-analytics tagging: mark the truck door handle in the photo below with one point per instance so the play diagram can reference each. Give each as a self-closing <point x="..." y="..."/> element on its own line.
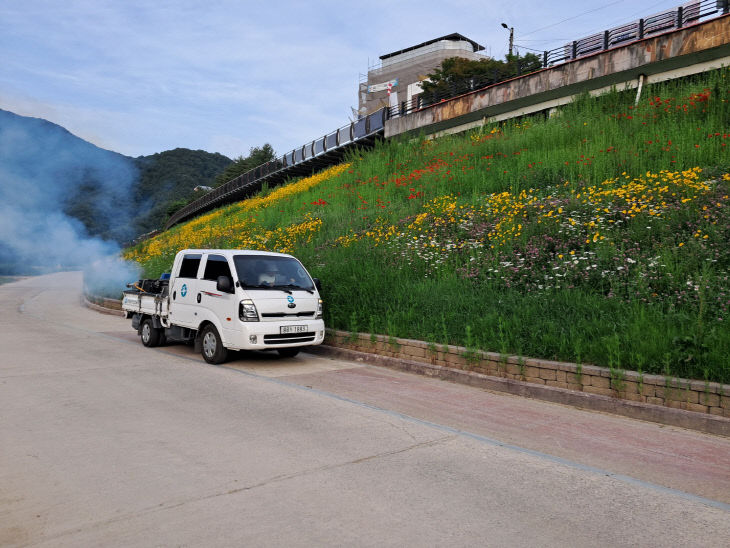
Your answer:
<point x="199" y="297"/>
<point x="174" y="294"/>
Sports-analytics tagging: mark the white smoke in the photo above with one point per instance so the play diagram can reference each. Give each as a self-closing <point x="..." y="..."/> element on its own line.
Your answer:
<point x="43" y="168"/>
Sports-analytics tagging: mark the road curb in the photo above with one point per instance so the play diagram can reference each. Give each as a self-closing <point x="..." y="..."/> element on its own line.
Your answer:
<point x="710" y="424"/>
<point x="101" y="309"/>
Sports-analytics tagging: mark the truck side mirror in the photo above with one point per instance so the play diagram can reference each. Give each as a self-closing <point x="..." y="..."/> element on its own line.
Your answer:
<point x="224" y="284"/>
<point x="317" y="284"/>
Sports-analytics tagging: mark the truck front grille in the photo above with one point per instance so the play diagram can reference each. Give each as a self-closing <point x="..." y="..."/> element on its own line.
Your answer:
<point x="287" y="315"/>
<point x="289" y="338"/>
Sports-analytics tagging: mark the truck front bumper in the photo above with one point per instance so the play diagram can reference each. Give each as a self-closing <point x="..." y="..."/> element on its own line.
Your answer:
<point x="273" y="335"/>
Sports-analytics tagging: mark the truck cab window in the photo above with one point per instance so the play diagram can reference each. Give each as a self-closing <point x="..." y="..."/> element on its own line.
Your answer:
<point x="264" y="271"/>
<point x="215" y="266"/>
<point x="189" y="266"/>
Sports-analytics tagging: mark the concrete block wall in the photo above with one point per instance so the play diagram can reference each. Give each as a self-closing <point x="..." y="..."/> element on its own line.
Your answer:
<point x="691" y="395"/>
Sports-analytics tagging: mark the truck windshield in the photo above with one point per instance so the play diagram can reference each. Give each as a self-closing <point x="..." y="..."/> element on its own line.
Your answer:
<point x="270" y="272"/>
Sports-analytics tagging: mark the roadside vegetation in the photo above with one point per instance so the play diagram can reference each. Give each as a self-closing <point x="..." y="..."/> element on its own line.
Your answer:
<point x="597" y="235"/>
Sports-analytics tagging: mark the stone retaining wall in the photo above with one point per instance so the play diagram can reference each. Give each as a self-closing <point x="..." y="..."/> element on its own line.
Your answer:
<point x="699" y="396"/>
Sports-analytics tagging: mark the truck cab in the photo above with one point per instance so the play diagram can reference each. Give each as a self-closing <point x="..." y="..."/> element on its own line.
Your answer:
<point x="227" y="299"/>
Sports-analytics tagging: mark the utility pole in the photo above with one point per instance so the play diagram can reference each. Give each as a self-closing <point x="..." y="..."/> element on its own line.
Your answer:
<point x="511" y="37"/>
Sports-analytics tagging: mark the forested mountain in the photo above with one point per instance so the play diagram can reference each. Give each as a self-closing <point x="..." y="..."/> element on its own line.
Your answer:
<point x="167" y="182"/>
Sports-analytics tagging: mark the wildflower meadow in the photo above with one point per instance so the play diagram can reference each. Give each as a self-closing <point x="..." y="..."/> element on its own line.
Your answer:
<point x="598" y="234"/>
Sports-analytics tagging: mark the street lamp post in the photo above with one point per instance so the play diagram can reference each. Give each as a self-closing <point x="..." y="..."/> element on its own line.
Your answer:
<point x="511" y="37"/>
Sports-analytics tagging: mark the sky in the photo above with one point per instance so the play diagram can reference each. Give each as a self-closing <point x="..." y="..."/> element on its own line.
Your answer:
<point x="140" y="77"/>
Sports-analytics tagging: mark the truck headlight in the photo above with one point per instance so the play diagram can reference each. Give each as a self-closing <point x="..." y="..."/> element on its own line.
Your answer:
<point x="247" y="311"/>
<point x="320" y="312"/>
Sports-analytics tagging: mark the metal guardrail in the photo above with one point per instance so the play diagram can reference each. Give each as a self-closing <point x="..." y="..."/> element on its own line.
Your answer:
<point x="323" y="150"/>
<point x="673" y="19"/>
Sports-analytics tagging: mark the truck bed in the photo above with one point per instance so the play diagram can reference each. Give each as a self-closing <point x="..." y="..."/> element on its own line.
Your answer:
<point x="139" y="301"/>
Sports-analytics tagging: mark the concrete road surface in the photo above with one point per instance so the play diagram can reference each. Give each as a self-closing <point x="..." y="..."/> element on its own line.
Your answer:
<point x="106" y="443"/>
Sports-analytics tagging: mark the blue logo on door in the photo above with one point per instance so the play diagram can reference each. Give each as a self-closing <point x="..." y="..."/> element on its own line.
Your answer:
<point x="184" y="290"/>
<point x="290" y="299"/>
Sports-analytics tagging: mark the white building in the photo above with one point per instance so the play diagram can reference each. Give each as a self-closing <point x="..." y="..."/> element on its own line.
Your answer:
<point x="397" y="77"/>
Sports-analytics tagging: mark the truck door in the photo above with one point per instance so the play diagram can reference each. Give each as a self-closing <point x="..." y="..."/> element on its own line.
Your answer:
<point x="183" y="306"/>
<point x="222" y="305"/>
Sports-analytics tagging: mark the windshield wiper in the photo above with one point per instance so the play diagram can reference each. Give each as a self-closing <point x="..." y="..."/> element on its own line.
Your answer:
<point x="285" y="288"/>
<point x="289" y="287"/>
<point x="308" y="290"/>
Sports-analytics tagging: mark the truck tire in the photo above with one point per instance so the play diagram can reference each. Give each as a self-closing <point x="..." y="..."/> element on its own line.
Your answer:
<point x="287" y="352"/>
<point x="212" y="347"/>
<point x="149" y="334"/>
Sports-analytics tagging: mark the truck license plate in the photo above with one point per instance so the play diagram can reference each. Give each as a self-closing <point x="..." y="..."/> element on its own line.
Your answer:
<point x="293" y="329"/>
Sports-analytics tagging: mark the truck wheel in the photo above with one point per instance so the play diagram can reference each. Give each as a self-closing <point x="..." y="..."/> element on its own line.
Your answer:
<point x="149" y="334"/>
<point x="212" y="348"/>
<point x="287" y="352"/>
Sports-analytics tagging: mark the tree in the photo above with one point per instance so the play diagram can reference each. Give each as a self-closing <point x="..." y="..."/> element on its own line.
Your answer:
<point x="457" y="75"/>
<point x="256" y="157"/>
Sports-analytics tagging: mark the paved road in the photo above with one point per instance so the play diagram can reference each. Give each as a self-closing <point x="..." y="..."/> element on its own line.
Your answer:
<point x="105" y="442"/>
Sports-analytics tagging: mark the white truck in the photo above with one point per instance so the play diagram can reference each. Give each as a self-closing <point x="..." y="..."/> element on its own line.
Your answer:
<point x="229" y="299"/>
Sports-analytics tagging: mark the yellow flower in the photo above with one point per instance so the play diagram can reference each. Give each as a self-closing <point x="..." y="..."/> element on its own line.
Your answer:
<point x="237" y="225"/>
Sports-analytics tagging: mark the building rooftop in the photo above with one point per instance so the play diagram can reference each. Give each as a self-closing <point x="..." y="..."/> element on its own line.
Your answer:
<point x="453" y="37"/>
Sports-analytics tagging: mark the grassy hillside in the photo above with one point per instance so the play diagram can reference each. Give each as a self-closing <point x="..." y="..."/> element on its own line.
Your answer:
<point x="599" y="235"/>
